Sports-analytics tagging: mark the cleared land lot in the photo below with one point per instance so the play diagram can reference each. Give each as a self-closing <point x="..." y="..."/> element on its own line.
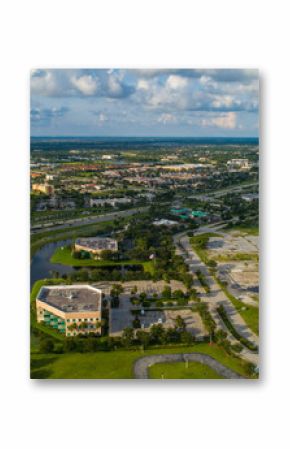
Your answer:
<point x="237" y="257"/>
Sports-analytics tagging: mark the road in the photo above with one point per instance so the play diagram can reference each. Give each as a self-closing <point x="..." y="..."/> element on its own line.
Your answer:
<point x="216" y="297"/>
<point x="141" y="365"/>
<point x="86" y="221"/>
<point x="222" y="192"/>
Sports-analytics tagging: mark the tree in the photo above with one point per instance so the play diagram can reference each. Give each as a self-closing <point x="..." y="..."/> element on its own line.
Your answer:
<point x="157" y="333"/>
<point x="166" y="292"/>
<point x="72" y="327"/>
<point x="180" y="323"/>
<point x="136" y="323"/>
<point x="143" y="337"/>
<point x="220" y="335"/>
<point x="178" y="294"/>
<point x="46" y="346"/>
<point x="212" y="263"/>
<point x="173" y="335"/>
<point x="128" y="336"/>
<point x="83" y="325"/>
<point x="143" y="296"/>
<point x="186" y="337"/>
<point x="134" y="290"/>
<point x="116" y="290"/>
<point x="107" y="254"/>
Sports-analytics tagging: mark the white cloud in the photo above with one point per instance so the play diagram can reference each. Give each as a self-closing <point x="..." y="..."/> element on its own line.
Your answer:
<point x="176" y="82"/>
<point x="223" y="101"/>
<point x="43" y="82"/>
<point x="227" y="120"/>
<point x="102" y="118"/>
<point x="143" y="84"/>
<point x="166" y="118"/>
<point x="86" y="84"/>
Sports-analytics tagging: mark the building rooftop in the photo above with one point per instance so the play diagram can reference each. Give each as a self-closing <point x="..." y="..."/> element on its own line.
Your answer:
<point x="198" y="213"/>
<point x="98" y="243"/>
<point x="71" y="298"/>
<point x="165" y="222"/>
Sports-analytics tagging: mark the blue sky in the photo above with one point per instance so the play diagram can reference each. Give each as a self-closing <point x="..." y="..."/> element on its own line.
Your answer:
<point x="149" y="102"/>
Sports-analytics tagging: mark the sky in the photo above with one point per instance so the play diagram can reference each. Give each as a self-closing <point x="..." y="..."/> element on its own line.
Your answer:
<point x="149" y="102"/>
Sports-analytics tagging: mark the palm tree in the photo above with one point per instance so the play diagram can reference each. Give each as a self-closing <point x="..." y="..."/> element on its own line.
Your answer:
<point x="179" y="322"/>
<point x="83" y="325"/>
<point x="72" y="327"/>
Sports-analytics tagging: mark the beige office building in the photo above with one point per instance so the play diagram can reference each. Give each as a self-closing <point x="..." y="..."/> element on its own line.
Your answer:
<point x="70" y="309"/>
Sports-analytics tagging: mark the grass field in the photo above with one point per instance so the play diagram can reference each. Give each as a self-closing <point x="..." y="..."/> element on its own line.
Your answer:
<point x="249" y="313"/>
<point x="179" y="370"/>
<point x="253" y="230"/>
<point x="115" y="364"/>
<point x="63" y="256"/>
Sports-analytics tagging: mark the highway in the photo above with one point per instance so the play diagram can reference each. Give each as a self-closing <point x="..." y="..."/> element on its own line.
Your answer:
<point x="91" y="220"/>
<point x="222" y="192"/>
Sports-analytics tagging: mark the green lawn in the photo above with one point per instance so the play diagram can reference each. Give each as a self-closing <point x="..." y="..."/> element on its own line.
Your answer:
<point x="63" y="256"/>
<point x="249" y="313"/>
<point x="237" y="256"/>
<point x="148" y="267"/>
<point x="115" y="364"/>
<point x="253" y="230"/>
<point x="179" y="370"/>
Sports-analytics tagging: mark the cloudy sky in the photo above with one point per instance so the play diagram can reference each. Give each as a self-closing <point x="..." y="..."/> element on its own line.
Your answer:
<point x="107" y="102"/>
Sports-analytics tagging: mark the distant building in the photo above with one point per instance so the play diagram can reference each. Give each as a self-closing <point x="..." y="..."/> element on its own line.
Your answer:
<point x="43" y="188"/>
<point x="250" y="197"/>
<point x="198" y="214"/>
<point x="49" y="177"/>
<point x="238" y="165"/>
<point x="164" y="222"/>
<point x="95" y="245"/>
<point x="35" y="175"/>
<point x="70" y="309"/>
<point x="107" y="156"/>
<point x="110" y="201"/>
<point x="180" y="210"/>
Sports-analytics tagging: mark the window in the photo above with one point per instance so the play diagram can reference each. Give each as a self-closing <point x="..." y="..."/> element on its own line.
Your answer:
<point x="67" y="321"/>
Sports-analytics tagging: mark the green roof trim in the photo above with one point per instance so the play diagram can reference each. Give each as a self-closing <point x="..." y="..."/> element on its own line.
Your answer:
<point x="198" y="213"/>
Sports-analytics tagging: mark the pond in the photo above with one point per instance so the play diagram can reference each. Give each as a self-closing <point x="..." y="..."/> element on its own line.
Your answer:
<point x="42" y="268"/>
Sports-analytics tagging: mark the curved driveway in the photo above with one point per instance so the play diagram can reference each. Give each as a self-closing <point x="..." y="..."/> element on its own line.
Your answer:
<point x="141" y="365"/>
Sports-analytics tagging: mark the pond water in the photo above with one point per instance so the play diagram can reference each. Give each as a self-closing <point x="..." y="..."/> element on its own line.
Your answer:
<point x="42" y="268"/>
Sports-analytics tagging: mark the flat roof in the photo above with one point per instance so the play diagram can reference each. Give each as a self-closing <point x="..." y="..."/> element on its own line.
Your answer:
<point x="71" y="298"/>
<point x="97" y="242"/>
<point x="198" y="213"/>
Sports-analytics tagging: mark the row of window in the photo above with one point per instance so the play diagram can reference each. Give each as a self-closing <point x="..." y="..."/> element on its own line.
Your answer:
<point x="79" y="320"/>
<point x="69" y="334"/>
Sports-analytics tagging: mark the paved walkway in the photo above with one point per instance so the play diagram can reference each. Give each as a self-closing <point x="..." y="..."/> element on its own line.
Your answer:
<point x="141" y="365"/>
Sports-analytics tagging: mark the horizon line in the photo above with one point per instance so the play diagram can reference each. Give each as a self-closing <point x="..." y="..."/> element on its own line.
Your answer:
<point x="146" y="137"/>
